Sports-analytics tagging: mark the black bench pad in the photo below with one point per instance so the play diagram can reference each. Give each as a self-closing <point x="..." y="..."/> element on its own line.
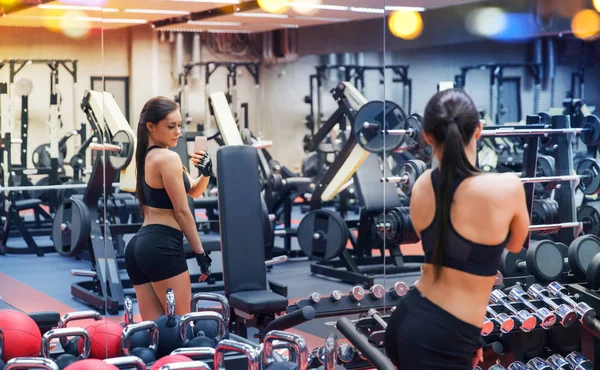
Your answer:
<point x="258" y="302"/>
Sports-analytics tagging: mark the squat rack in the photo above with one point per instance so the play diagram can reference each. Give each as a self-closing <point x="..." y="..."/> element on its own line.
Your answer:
<point x="496" y="71"/>
<point x="356" y="75"/>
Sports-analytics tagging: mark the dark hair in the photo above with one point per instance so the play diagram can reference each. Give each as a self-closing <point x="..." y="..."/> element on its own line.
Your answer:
<point x="154" y="111"/>
<point x="450" y="118"/>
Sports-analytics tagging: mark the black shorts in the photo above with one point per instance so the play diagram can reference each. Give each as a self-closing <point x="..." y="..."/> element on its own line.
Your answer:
<point x="422" y="335"/>
<point x="155" y="253"/>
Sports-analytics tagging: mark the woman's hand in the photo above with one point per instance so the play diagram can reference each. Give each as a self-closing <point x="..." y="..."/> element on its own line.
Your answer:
<point x="202" y="162"/>
<point x="478" y="357"/>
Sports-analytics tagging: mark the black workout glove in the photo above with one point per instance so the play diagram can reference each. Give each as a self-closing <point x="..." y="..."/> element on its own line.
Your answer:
<point x="205" y="165"/>
<point x="204" y="262"/>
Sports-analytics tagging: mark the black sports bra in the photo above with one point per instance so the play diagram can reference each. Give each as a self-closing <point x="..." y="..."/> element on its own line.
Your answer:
<point x="461" y="254"/>
<point x="158" y="198"/>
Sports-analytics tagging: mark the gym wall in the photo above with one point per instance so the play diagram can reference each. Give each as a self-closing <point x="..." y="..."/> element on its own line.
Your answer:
<point x="39" y="43"/>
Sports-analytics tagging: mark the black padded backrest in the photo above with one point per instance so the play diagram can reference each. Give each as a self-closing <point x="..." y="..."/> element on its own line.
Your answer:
<point x="369" y="188"/>
<point x="240" y="219"/>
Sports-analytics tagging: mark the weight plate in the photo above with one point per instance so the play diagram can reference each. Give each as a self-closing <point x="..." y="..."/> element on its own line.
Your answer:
<point x="410" y="235"/>
<point x="410" y="170"/>
<point x="43" y="195"/>
<point x="593" y="273"/>
<point x="414" y="122"/>
<point x="376" y="112"/>
<point x="395" y="233"/>
<point x="589" y="215"/>
<point x="310" y="165"/>
<point x="71" y="227"/>
<point x="538" y="213"/>
<point x="41" y="156"/>
<point x="564" y="250"/>
<point x="591" y="131"/>
<point x="322" y="234"/>
<point x="64" y="194"/>
<point x="546" y="166"/>
<point x="509" y="260"/>
<point x="546" y="142"/>
<point x="120" y="161"/>
<point x="533" y="343"/>
<point x="581" y="252"/>
<point x="544" y="260"/>
<point x="565" y="340"/>
<point x="589" y="169"/>
<point x="246" y="136"/>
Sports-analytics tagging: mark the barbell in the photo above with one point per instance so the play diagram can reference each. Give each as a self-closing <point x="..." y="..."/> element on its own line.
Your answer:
<point x="380" y="127"/>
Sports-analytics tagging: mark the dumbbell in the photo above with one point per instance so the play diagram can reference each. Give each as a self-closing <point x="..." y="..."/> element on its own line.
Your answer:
<point x="297" y="344"/>
<point x="578" y="361"/>
<point x="210" y="328"/>
<point x="542" y="259"/>
<point x="518" y="365"/>
<point x="487" y="328"/>
<point x="127" y="362"/>
<point x="376" y="292"/>
<point x="398" y="290"/>
<point x="545" y="318"/>
<point x="357" y="294"/>
<point x="583" y="310"/>
<point x="537" y="363"/>
<point x="345" y="352"/>
<point x="336" y="295"/>
<point x="31" y="363"/>
<point x="327" y="354"/>
<point x="505" y="323"/>
<point x="146" y="353"/>
<point x="140" y="338"/>
<point x="564" y="313"/>
<point x="525" y="320"/>
<point x="558" y="362"/>
<point x="66" y="359"/>
<point x="496" y="367"/>
<point x="71" y="346"/>
<point x="200" y="340"/>
<point x="195" y="365"/>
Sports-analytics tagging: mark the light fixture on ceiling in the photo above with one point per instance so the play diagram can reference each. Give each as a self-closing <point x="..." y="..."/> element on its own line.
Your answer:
<point x="358" y="9"/>
<point x="213" y="23"/>
<point x="260" y="15"/>
<point x="209" y="1"/>
<point x="110" y="20"/>
<point x="290" y="25"/>
<point x="227" y="31"/>
<point x="77" y="7"/>
<point x="317" y="6"/>
<point x="323" y="19"/>
<point x="157" y="11"/>
<point x="393" y="8"/>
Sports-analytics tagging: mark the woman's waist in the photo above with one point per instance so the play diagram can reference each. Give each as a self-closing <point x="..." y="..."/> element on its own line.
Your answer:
<point x="161" y="217"/>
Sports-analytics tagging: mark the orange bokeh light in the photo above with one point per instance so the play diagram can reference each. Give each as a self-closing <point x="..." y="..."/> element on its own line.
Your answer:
<point x="586" y="24"/>
<point x="407" y="25"/>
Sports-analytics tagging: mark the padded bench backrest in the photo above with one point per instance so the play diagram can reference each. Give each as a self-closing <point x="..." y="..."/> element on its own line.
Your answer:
<point x="240" y="219"/>
<point x="369" y="188"/>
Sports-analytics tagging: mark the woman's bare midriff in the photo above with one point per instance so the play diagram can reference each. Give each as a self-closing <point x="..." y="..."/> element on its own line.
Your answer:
<point x="465" y="296"/>
<point x="160" y="216"/>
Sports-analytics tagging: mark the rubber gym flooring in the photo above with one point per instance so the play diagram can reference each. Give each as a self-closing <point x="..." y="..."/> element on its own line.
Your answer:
<point x="33" y="283"/>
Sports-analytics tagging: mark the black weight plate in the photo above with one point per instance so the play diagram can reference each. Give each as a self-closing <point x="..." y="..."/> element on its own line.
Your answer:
<point x="310" y="165"/>
<point x="581" y="252"/>
<point x="509" y="267"/>
<point x="589" y="215"/>
<point x="565" y="340"/>
<point x="414" y="122"/>
<point x="591" y="131"/>
<point x="589" y="169"/>
<point x="395" y="233"/>
<point x="120" y="161"/>
<point x="544" y="260"/>
<point x="64" y="194"/>
<point x="372" y="139"/>
<point x="411" y="170"/>
<point x="411" y="235"/>
<point x="564" y="250"/>
<point x="593" y="273"/>
<point x="533" y="343"/>
<point x="538" y="212"/>
<point x="546" y="142"/>
<point x="43" y="195"/>
<point x="381" y="233"/>
<point x="546" y="166"/>
<point x="41" y="156"/>
<point x="322" y="234"/>
<point x="554" y="205"/>
<point x="246" y="136"/>
<point x="75" y="214"/>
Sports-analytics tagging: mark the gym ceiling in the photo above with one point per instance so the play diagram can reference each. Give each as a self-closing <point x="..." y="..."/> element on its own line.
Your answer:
<point x="198" y="15"/>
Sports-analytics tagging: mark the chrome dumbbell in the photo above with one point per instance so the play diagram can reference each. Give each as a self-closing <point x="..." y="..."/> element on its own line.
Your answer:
<point x="487" y="328"/>
<point x="557" y="362"/>
<point x="565" y="313"/>
<point x="497" y="367"/>
<point x="525" y="320"/>
<point x="377" y="291"/>
<point x="578" y="361"/>
<point x="537" y="363"/>
<point x="357" y="294"/>
<point x="518" y="365"/>
<point x="504" y="321"/>
<point x="546" y="318"/>
<point x="399" y="289"/>
<point x="583" y="310"/>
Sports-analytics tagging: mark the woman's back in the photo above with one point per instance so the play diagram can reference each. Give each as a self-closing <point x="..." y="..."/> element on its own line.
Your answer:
<point x="482" y="210"/>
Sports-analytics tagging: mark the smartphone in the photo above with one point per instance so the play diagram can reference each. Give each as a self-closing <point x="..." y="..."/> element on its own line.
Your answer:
<point x="200" y="143"/>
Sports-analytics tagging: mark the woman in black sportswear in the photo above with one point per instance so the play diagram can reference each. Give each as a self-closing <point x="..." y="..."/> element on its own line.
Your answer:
<point x="465" y="219"/>
<point x="154" y="257"/>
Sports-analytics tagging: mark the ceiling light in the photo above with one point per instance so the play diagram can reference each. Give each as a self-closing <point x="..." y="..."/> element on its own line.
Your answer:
<point x="156" y="11"/>
<point x="208" y="23"/>
<point x="260" y="15"/>
<point x="290" y="25"/>
<point x="77" y="7"/>
<point x="367" y="10"/>
<point x="228" y="31"/>
<point x="405" y="8"/>
<point x="110" y="20"/>
<point x="318" y="6"/>
<point x="324" y="19"/>
<point x="209" y="1"/>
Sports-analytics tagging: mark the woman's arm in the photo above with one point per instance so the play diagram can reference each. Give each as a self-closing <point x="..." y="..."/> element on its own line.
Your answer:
<point x="171" y="170"/>
<point x="198" y="186"/>
<point x="519" y="225"/>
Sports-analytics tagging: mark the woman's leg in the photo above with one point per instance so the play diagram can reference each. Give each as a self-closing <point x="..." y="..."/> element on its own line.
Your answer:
<point x="148" y="303"/>
<point x="182" y="287"/>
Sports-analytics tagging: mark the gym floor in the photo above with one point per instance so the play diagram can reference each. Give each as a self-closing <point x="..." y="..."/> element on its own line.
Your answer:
<point x="33" y="283"/>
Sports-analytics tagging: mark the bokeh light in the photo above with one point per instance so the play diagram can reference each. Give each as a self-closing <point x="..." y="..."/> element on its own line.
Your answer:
<point x="306" y="7"/>
<point x="407" y="25"/>
<point x="84" y="2"/>
<point x="9" y="2"/>
<point x="586" y="24"/>
<point x="74" y="25"/>
<point x="596" y="4"/>
<point x="273" y="6"/>
<point x="486" y="22"/>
